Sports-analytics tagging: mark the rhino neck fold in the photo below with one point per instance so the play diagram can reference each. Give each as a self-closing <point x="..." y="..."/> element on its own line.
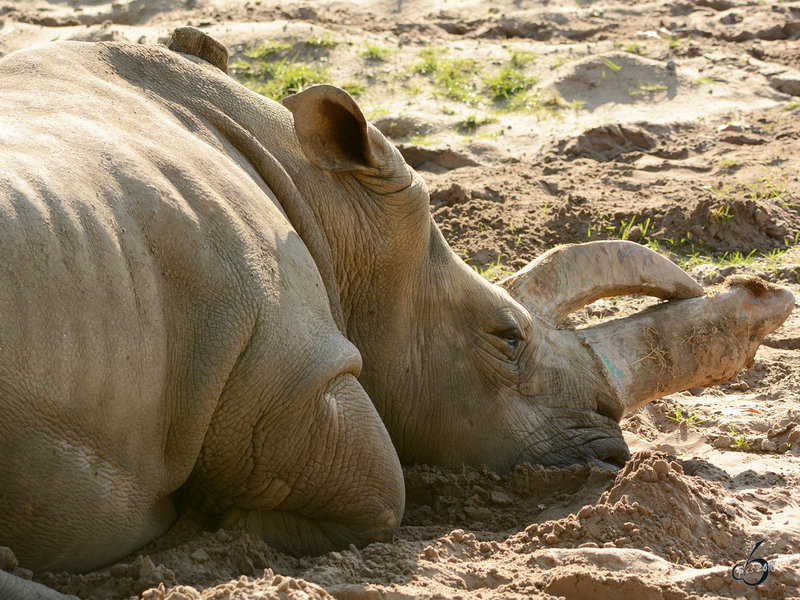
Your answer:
<point x="290" y="199"/>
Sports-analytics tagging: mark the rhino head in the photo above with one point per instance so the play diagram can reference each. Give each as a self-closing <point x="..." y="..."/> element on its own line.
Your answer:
<point x="465" y="371"/>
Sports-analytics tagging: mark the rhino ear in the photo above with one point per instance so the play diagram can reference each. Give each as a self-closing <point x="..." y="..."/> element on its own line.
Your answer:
<point x="331" y="128"/>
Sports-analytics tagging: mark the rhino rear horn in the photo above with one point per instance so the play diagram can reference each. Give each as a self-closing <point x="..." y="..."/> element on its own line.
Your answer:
<point x="190" y="40"/>
<point x="569" y="277"/>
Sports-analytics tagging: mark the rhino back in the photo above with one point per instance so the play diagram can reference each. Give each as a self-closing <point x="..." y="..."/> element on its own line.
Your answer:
<point x="138" y="250"/>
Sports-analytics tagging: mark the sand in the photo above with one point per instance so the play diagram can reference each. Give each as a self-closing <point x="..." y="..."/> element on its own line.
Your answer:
<point x="670" y="123"/>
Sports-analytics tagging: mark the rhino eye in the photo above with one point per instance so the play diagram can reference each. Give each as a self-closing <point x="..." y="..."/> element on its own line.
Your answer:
<point x="512" y="336"/>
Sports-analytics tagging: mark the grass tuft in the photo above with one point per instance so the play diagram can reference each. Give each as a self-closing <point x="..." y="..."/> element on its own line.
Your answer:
<point x="508" y="82"/>
<point x="452" y="77"/>
<point x="471" y="123"/>
<point x="267" y="49"/>
<point x="494" y="270"/>
<point x="278" y="79"/>
<point x="376" y="52"/>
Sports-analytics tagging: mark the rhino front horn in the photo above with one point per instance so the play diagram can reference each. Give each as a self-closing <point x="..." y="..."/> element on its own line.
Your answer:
<point x="674" y="346"/>
<point x="566" y="278"/>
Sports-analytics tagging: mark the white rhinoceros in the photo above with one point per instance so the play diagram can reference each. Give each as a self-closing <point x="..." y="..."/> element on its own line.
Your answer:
<point x="191" y="277"/>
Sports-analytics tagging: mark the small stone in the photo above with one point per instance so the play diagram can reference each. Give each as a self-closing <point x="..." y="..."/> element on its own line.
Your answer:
<point x="722" y="442"/>
<point x="661" y="466"/>
<point x="627" y="526"/>
<point x="430" y="553"/>
<point x="621" y="542"/>
<point x="585" y="512"/>
<point x="736" y="126"/>
<point x="769" y="446"/>
<point x="714" y="583"/>
<point x="788" y="83"/>
<point x="794" y="436"/>
<point x="200" y="555"/>
<point x="671" y="65"/>
<point x="478" y="513"/>
<point x="697" y="390"/>
<point x="551" y="539"/>
<point x="457" y="535"/>
<point x="484" y="547"/>
<point x="501" y="499"/>
<point x="8" y="562"/>
<point x="158" y="593"/>
<point x="120" y="570"/>
<point x="223" y="536"/>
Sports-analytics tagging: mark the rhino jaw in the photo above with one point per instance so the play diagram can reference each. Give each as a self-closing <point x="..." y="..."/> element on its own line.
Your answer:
<point x="685" y="343"/>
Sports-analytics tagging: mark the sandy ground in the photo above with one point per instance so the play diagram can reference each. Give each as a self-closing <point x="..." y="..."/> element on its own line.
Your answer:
<point x="670" y="123"/>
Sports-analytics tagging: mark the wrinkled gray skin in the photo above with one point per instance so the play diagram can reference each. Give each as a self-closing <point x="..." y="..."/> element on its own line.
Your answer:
<point x="203" y="292"/>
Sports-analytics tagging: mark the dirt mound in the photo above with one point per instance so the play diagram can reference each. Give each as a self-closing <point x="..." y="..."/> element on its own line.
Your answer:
<point x="655" y="506"/>
<point x="615" y="77"/>
<point x="468" y="498"/>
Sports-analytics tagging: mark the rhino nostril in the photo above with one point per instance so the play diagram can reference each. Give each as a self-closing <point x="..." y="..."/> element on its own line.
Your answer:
<point x="610" y="409"/>
<point x="616" y="460"/>
<point x="610" y="454"/>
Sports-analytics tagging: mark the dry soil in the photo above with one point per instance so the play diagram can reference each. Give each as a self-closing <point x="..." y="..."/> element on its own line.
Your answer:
<point x="674" y="124"/>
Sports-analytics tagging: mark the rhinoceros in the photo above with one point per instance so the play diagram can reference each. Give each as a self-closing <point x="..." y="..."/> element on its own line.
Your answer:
<point x="208" y="294"/>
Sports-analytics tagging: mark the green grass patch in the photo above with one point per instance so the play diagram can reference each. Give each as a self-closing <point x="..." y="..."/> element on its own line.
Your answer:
<point x="647" y="87"/>
<point x="376" y="52"/>
<point x="634" y="48"/>
<point x="278" y="79"/>
<point x="508" y="82"/>
<point x="768" y="187"/>
<point x="430" y="58"/>
<point x="691" y="419"/>
<point x="322" y="41"/>
<point x="792" y="105"/>
<point x="452" y="77"/>
<point x="707" y="80"/>
<point x="721" y="214"/>
<point x="471" y="123"/>
<point x="673" y="41"/>
<point x="268" y="48"/>
<point x="520" y="59"/>
<point x="354" y="88"/>
<point x="739" y="439"/>
<point x="543" y="103"/>
<point x="611" y="64"/>
<point x="494" y="271"/>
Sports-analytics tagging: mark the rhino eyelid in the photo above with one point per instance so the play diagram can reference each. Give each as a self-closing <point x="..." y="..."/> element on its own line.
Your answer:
<point x="512" y="335"/>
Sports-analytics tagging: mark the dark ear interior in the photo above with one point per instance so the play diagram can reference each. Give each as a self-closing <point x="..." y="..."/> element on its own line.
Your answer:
<point x="331" y="128"/>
